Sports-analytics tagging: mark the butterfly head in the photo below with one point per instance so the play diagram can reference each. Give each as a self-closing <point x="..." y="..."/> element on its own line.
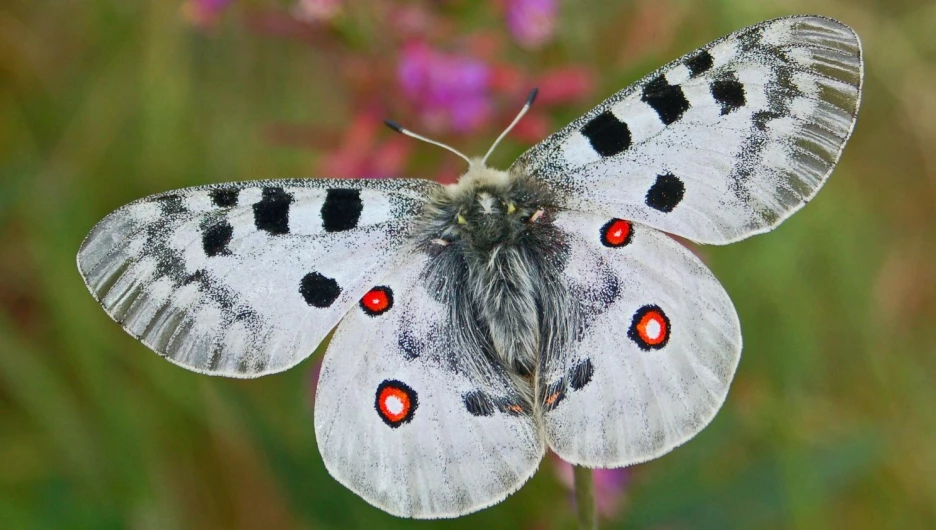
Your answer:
<point x="486" y="208"/>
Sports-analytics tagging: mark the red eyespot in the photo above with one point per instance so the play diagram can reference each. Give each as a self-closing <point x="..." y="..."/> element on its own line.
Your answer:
<point x="396" y="403"/>
<point x="650" y="328"/>
<point x="377" y="301"/>
<point x="616" y="233"/>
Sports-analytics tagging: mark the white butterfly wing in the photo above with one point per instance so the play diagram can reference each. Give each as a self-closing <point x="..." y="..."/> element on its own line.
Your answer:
<point x="412" y="421"/>
<point x="658" y="344"/>
<point x="245" y="279"/>
<point x="724" y="143"/>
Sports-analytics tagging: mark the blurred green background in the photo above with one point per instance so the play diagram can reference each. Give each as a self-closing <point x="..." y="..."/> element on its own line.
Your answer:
<point x="830" y="422"/>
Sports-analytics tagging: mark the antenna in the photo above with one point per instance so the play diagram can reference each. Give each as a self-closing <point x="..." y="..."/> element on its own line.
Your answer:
<point x="523" y="111"/>
<point x="399" y="128"/>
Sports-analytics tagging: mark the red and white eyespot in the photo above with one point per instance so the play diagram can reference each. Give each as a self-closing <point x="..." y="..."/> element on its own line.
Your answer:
<point x="650" y="328"/>
<point x="377" y="301"/>
<point x="395" y="403"/>
<point x="616" y="233"/>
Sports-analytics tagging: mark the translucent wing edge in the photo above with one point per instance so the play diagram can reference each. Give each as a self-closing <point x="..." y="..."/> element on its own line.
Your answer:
<point x="841" y="148"/>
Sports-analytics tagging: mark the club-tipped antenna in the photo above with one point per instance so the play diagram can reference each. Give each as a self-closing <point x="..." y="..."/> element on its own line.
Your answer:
<point x="400" y="129"/>
<point x="526" y="107"/>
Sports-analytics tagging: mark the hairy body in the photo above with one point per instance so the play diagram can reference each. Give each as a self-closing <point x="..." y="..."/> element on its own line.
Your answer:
<point x="497" y="261"/>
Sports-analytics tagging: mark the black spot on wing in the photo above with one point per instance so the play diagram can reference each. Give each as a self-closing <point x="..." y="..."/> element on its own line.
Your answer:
<point x="170" y="204"/>
<point x="224" y="197"/>
<point x="699" y="63"/>
<point x="221" y="295"/>
<point x="411" y="345"/>
<point x="478" y="403"/>
<point x="196" y="277"/>
<point x="729" y="93"/>
<point x="762" y="117"/>
<point x="512" y="406"/>
<point x="215" y="238"/>
<point x="169" y="261"/>
<point x="554" y="395"/>
<point x="666" y="193"/>
<point x="271" y="214"/>
<point x="581" y="374"/>
<point x="341" y="210"/>
<point x="608" y="288"/>
<point x="608" y="135"/>
<point x="667" y="100"/>
<point x="751" y="38"/>
<point x="319" y="291"/>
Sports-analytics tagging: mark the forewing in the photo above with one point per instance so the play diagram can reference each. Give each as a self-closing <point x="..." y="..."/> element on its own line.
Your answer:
<point x="245" y="279"/>
<point x="411" y="419"/>
<point x="658" y="344"/>
<point x="721" y="144"/>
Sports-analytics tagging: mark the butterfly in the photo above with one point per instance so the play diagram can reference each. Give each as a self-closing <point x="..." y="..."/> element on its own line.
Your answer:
<point x="482" y="322"/>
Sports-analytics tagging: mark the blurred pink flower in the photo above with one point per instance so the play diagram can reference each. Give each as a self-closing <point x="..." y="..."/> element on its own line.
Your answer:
<point x="363" y="154"/>
<point x="610" y="485"/>
<point x="532" y="22"/>
<point x="558" y="86"/>
<point x="532" y="128"/>
<point x="449" y="91"/>
<point x="565" y="85"/>
<point x="410" y="20"/>
<point x="204" y="13"/>
<point x="317" y="10"/>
